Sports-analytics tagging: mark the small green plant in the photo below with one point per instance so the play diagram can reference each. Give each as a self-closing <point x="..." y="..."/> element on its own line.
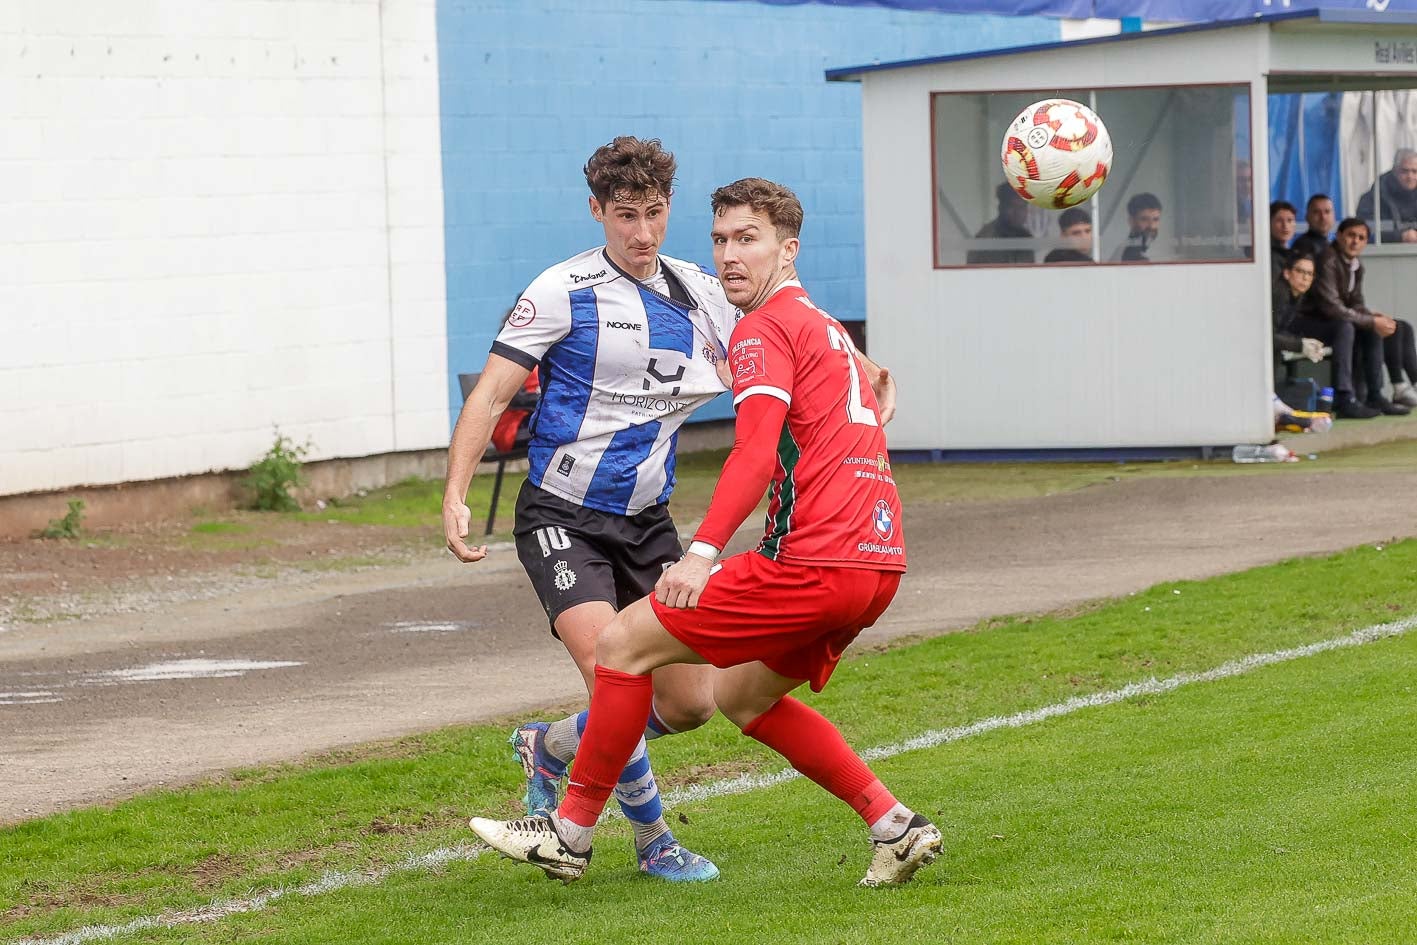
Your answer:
<point x="70" y="526"/>
<point x="272" y="477"/>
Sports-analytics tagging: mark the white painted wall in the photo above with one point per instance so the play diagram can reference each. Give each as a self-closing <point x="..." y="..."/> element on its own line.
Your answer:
<point x="219" y="216"/>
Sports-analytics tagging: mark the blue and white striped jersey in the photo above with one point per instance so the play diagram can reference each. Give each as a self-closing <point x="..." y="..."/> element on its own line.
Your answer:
<point x="622" y="365"/>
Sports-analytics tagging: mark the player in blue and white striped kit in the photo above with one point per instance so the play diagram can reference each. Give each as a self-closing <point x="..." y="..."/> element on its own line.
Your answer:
<point x="629" y="343"/>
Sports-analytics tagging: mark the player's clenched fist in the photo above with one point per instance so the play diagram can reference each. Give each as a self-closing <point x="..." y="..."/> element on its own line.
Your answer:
<point x="682" y="582"/>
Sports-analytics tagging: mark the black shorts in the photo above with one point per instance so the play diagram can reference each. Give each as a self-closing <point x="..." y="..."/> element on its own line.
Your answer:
<point x="574" y="554"/>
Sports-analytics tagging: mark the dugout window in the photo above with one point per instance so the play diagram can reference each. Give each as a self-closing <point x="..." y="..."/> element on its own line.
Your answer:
<point x="1181" y="162"/>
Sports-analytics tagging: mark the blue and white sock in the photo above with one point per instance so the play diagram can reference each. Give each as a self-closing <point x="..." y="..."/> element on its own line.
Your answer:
<point x="637" y="791"/>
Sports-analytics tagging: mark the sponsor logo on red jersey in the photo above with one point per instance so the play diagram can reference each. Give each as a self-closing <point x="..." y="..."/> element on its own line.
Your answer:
<point x="751" y="362"/>
<point x="883" y="520"/>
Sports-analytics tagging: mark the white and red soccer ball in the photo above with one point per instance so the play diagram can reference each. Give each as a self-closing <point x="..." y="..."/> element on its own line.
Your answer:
<point x="1056" y="153"/>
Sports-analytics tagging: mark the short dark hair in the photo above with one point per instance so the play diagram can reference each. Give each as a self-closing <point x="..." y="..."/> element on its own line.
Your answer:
<point x="1294" y="255"/>
<point x="1348" y="223"/>
<point x="1006" y="196"/>
<point x="1279" y="205"/>
<point x="774" y="201"/>
<point x="1315" y="199"/>
<point x="1142" y="201"/>
<point x="1072" y="217"/>
<point x="629" y="167"/>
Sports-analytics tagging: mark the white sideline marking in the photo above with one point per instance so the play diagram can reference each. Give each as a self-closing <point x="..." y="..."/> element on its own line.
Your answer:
<point x="29" y="697"/>
<point x="193" y="669"/>
<point x="331" y="881"/>
<point x="427" y="626"/>
<point x="334" y="880"/>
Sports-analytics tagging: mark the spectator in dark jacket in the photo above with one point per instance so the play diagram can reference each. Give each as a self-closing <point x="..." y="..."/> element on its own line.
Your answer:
<point x="1296" y="329"/>
<point x="1398" y="209"/>
<point x="1319" y="214"/>
<point x="1075" y="227"/>
<point x="1296" y="278"/>
<point x="1011" y="223"/>
<point x="1143" y="226"/>
<point x="1283" y="219"/>
<point x="1338" y="296"/>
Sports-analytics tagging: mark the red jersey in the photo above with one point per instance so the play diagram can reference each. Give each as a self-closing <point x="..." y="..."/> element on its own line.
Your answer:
<point x="832" y="499"/>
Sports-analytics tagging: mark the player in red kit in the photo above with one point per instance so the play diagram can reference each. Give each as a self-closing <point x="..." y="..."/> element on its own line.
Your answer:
<point x="780" y="616"/>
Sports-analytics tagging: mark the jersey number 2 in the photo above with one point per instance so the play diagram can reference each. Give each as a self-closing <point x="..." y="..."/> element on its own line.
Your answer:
<point x="856" y="411"/>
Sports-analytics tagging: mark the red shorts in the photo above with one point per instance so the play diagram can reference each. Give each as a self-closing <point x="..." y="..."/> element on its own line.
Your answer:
<point x="796" y="619"/>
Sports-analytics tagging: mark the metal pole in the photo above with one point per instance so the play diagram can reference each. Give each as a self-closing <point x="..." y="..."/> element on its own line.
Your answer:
<point x="1377" y="177"/>
<point x="1096" y="200"/>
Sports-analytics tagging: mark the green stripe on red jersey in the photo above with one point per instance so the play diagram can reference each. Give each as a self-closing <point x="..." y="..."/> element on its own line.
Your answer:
<point x="784" y="495"/>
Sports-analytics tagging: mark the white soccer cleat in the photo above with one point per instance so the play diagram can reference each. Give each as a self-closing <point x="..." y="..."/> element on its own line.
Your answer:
<point x="533" y="840"/>
<point x="894" y="862"/>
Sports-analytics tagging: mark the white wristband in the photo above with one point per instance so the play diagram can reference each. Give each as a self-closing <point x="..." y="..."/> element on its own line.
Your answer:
<point x="704" y="550"/>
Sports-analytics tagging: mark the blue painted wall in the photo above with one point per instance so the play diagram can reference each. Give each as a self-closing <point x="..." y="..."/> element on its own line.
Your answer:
<point x="529" y="88"/>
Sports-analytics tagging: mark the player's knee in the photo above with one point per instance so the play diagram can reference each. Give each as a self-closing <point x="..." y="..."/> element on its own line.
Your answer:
<point x="685" y="712"/>
<point x="739" y="707"/>
<point x="616" y="650"/>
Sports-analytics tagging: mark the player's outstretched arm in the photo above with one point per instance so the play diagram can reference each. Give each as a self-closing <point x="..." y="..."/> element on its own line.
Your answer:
<point x="499" y="383"/>
<point x="746" y="474"/>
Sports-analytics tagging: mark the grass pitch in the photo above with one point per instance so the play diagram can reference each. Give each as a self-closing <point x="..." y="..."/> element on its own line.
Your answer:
<point x="1270" y="807"/>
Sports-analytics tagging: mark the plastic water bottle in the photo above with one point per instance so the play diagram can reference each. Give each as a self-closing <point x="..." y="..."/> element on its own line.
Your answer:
<point x="1325" y="404"/>
<point x="1253" y="453"/>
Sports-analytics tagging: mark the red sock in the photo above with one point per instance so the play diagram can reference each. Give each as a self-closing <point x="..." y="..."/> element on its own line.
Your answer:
<point x="814" y="747"/>
<point x="619" y="711"/>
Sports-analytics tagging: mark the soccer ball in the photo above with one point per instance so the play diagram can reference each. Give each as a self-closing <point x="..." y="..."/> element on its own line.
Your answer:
<point x="1056" y="153"/>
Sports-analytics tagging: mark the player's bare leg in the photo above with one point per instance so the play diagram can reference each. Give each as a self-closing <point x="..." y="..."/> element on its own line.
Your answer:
<point x="683" y="700"/>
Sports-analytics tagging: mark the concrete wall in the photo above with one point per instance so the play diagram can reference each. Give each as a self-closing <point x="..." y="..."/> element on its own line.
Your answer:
<point x="228" y="215"/>
<point x="529" y="90"/>
<point x="219" y="217"/>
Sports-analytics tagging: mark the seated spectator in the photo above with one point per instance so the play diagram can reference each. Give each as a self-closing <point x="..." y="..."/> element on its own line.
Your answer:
<point x="1296" y="278"/>
<point x="1318" y="212"/>
<point x="1009" y="224"/>
<point x="1398" y="188"/>
<point x="1283" y="220"/>
<point x="1075" y="227"/>
<point x="1338" y="297"/>
<point x="1144" y="223"/>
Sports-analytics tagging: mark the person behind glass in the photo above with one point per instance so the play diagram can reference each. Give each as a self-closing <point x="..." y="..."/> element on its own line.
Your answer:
<point x="1144" y="223"/>
<point x="1337" y="295"/>
<point x="1283" y="221"/>
<point x="1399" y="200"/>
<point x="1009" y="224"/>
<point x="1075" y="227"/>
<point x="1318" y="213"/>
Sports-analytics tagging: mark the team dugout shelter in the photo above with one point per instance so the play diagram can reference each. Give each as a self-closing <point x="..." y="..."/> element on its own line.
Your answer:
<point x="998" y="353"/>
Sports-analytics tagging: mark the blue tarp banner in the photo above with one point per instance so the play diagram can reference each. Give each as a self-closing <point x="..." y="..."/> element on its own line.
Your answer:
<point x="1069" y="8"/>
<point x="1191" y="11"/>
<point x="1304" y="148"/>
<point x="1202" y="10"/>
